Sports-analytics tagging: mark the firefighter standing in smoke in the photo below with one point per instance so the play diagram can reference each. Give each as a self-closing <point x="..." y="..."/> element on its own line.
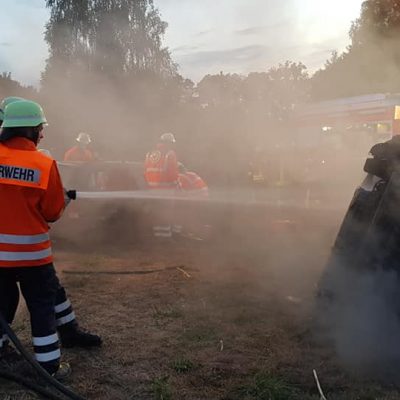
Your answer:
<point x="68" y="328"/>
<point x="83" y="176"/>
<point x="80" y="152"/>
<point x="31" y="196"/>
<point x="161" y="172"/>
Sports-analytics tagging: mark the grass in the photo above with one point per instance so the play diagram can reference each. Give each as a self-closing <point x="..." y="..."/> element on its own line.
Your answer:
<point x="93" y="260"/>
<point x="161" y="389"/>
<point x="182" y="365"/>
<point x="267" y="387"/>
<point x="20" y="325"/>
<point x="243" y="318"/>
<point x="200" y="334"/>
<point x="166" y="313"/>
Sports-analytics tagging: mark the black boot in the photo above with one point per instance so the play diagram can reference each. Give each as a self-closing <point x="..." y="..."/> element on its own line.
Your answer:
<point x="72" y="336"/>
<point x="63" y="373"/>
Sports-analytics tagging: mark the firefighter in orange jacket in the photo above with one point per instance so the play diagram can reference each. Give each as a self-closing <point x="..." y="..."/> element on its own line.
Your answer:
<point x="31" y="196"/>
<point x="161" y="172"/>
<point x="68" y="329"/>
<point x="161" y="165"/>
<point x="80" y="152"/>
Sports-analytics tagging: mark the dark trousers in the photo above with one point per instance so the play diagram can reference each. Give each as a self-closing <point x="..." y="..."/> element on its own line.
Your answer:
<point x="39" y="286"/>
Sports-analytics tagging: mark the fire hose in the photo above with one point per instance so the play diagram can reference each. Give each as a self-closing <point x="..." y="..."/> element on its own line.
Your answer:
<point x="36" y="366"/>
<point x="47" y="394"/>
<point x="133" y="194"/>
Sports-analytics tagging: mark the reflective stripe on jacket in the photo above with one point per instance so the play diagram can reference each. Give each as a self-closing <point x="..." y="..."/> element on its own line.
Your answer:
<point x="31" y="195"/>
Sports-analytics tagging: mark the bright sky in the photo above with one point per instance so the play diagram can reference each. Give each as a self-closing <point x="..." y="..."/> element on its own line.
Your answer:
<point x="204" y="36"/>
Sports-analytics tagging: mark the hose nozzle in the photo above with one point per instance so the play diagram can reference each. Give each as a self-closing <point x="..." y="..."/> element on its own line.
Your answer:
<point x="71" y="194"/>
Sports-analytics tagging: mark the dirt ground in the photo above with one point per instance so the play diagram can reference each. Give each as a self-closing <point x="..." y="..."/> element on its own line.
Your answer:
<point x="224" y="318"/>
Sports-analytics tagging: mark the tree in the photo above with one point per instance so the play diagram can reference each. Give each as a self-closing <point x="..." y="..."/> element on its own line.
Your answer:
<point x="289" y="84"/>
<point x="379" y="22"/>
<point x="110" y="36"/>
<point x="220" y="90"/>
<point x="240" y="113"/>
<point x="11" y="87"/>
<point x="372" y="61"/>
<point x="279" y="87"/>
<point x="108" y="71"/>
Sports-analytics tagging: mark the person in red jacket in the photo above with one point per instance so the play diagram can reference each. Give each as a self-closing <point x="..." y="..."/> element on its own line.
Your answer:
<point x="80" y="152"/>
<point x="161" y="172"/>
<point x="191" y="183"/>
<point x="31" y="196"/>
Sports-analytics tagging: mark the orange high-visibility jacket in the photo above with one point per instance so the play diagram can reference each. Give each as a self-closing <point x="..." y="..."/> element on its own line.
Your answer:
<point x="190" y="181"/>
<point x="31" y="195"/>
<point x="161" y="168"/>
<point x="77" y="153"/>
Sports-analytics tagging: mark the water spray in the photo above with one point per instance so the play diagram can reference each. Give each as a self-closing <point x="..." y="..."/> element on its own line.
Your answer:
<point x="217" y="198"/>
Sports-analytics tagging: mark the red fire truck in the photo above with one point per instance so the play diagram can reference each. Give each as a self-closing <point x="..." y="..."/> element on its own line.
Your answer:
<point x="334" y="137"/>
<point x="372" y="118"/>
<point x="328" y="140"/>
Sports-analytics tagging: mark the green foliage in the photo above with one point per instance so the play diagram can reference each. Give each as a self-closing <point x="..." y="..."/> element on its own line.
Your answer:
<point x="277" y="88"/>
<point x="267" y="387"/>
<point x="161" y="389"/>
<point x="200" y="334"/>
<point x="110" y="37"/>
<point x="379" y="20"/>
<point x="371" y="64"/>
<point x="182" y="365"/>
<point x="11" y="87"/>
<point x="166" y="313"/>
<point x="108" y="68"/>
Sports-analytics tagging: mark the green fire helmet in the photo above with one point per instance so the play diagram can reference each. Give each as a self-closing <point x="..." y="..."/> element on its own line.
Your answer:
<point x="23" y="113"/>
<point x="5" y="102"/>
<point x="8" y="100"/>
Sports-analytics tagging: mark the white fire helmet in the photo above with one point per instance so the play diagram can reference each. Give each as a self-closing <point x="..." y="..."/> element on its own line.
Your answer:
<point x="167" y="138"/>
<point x="84" y="138"/>
<point x="45" y="152"/>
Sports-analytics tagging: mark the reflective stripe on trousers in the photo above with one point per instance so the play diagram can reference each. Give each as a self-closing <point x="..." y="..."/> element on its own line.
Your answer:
<point x="64" y="320"/>
<point x="162" y="230"/>
<point x="3" y="340"/>
<point x="47" y="348"/>
<point x="63" y="308"/>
